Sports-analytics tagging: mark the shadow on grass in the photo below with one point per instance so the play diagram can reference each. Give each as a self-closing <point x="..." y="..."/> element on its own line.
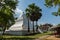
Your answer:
<point x="24" y="37"/>
<point x="31" y="34"/>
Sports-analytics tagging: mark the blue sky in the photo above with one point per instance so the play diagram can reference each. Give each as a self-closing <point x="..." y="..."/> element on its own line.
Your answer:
<point x="47" y="16"/>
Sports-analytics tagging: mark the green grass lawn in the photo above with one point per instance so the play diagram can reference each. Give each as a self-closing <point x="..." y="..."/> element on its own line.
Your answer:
<point x="31" y="37"/>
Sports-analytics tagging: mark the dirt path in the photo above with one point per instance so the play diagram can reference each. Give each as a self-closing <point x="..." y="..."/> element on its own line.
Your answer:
<point x="48" y="37"/>
<point x="53" y="37"/>
<point x="42" y="38"/>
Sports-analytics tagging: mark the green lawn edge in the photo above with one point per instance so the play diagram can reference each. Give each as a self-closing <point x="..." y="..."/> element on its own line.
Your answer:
<point x="30" y="36"/>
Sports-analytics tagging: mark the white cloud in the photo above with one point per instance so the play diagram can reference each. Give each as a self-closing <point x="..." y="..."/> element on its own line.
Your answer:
<point x="18" y="12"/>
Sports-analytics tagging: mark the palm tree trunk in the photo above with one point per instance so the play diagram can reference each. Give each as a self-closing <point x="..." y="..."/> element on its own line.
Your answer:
<point x="28" y="26"/>
<point x="36" y="26"/>
<point x="33" y="26"/>
<point x="36" y="23"/>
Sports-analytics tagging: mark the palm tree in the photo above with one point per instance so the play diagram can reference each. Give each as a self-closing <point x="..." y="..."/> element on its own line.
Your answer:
<point x="34" y="13"/>
<point x="38" y="16"/>
<point x="6" y="12"/>
<point x="51" y="3"/>
<point x="32" y="18"/>
<point x="27" y="14"/>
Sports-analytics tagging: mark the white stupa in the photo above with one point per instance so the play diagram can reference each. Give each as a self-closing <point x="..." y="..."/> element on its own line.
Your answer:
<point x="20" y="26"/>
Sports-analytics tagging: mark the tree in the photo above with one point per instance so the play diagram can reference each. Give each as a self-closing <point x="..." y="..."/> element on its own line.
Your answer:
<point x="51" y="3"/>
<point x="58" y="25"/>
<point x="50" y="25"/>
<point x="37" y="17"/>
<point x="32" y="18"/>
<point x="7" y="8"/>
<point x="27" y="14"/>
<point x="34" y="13"/>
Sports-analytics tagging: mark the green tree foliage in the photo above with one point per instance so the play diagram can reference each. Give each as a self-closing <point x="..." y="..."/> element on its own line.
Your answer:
<point x="51" y="3"/>
<point x="7" y="8"/>
<point x="34" y="13"/>
<point x="47" y="24"/>
<point x="58" y="25"/>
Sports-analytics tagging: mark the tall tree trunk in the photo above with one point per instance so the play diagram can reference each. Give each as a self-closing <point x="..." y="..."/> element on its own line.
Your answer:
<point x="4" y="29"/>
<point x="28" y="26"/>
<point x="33" y="26"/>
<point x="36" y="26"/>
